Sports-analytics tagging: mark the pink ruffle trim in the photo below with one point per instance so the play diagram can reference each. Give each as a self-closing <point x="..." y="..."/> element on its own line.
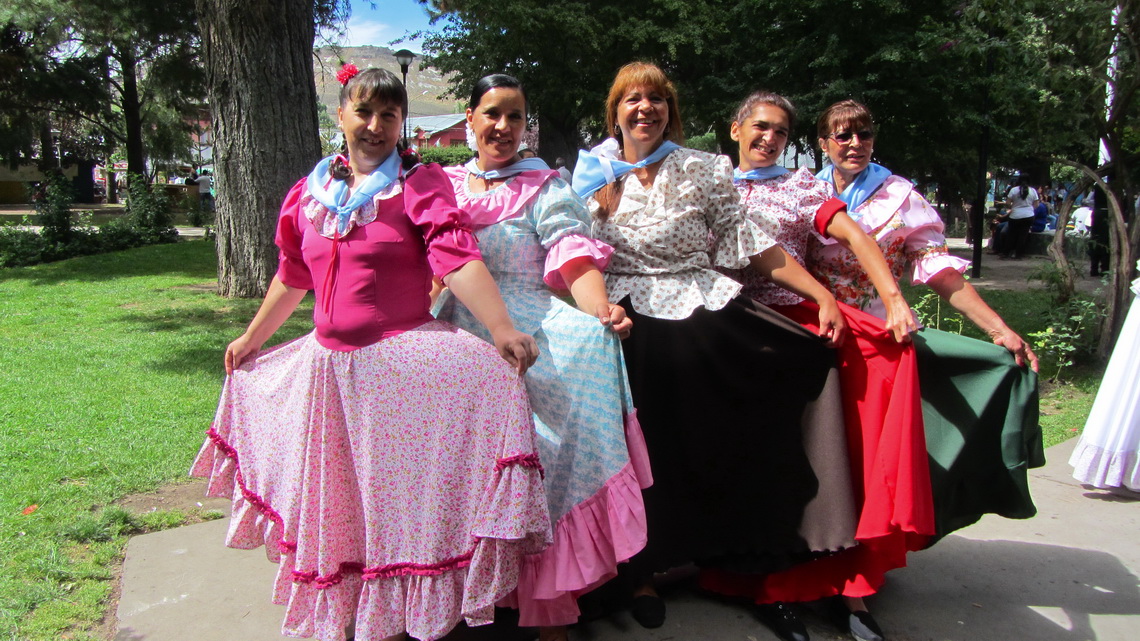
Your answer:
<point x="567" y="249"/>
<point x="926" y="267"/>
<point x="383" y="572"/>
<point x="589" y="542"/>
<point x="321" y="605"/>
<point x="252" y="498"/>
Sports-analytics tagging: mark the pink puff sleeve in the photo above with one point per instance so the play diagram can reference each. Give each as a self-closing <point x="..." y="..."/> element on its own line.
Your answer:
<point x="925" y="247"/>
<point x="291" y="267"/>
<point x="567" y="249"/>
<point x="430" y="204"/>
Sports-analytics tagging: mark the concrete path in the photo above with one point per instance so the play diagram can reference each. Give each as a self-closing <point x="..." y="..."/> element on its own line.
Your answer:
<point x="1069" y="574"/>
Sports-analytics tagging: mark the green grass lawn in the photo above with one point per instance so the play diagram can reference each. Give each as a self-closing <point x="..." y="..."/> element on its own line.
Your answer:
<point x="111" y="372"/>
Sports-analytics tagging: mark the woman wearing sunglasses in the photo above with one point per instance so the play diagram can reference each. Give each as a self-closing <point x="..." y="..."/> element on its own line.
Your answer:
<point x="882" y="410"/>
<point x="979" y="400"/>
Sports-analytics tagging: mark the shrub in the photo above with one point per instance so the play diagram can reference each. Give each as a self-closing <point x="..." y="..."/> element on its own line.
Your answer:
<point x="147" y="222"/>
<point x="704" y="142"/>
<point x="147" y="208"/>
<point x="52" y="201"/>
<point x="446" y="156"/>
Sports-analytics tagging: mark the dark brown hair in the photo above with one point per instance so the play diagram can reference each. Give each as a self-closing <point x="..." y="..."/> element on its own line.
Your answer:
<point x="846" y="115"/>
<point x="762" y="97"/>
<point x="383" y="85"/>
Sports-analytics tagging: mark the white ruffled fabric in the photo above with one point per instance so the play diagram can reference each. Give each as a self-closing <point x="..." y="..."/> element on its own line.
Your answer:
<point x="1108" y="452"/>
<point x="325" y="221"/>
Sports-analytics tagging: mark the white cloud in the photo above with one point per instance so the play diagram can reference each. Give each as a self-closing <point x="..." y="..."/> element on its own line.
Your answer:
<point x="363" y="32"/>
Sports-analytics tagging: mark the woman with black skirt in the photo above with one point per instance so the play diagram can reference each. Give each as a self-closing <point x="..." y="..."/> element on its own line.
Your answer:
<point x="721" y="382"/>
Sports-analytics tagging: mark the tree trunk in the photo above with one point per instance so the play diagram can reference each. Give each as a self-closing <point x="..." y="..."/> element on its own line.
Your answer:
<point x="132" y="110"/>
<point x="1116" y="302"/>
<point x="558" y="138"/>
<point x="259" y="71"/>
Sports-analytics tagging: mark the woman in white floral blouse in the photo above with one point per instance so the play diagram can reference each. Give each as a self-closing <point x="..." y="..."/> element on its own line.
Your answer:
<point x="720" y="382"/>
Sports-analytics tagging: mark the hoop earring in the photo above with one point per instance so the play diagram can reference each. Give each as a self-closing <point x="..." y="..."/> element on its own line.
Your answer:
<point x="617" y="130"/>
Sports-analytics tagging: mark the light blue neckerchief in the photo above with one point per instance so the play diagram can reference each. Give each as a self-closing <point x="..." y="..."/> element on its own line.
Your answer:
<point x="860" y="189"/>
<point x="335" y="196"/>
<point x="526" y="164"/>
<point x="760" y="173"/>
<point x="595" y="171"/>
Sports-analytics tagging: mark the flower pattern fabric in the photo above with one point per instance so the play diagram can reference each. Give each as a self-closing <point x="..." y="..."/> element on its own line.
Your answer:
<point x="387" y="460"/>
<point x="909" y="233"/>
<point x="589" y="439"/>
<point x="669" y="239"/>
<point x="785" y="208"/>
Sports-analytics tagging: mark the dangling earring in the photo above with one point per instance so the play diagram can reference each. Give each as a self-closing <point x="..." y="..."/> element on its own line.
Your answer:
<point x="617" y="130"/>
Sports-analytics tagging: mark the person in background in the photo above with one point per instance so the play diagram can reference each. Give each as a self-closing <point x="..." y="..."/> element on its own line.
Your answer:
<point x="560" y="167"/>
<point x="1022" y="200"/>
<point x="205" y="184"/>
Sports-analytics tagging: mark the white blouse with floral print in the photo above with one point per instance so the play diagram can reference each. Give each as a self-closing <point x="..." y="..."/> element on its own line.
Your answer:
<point x="668" y="239"/>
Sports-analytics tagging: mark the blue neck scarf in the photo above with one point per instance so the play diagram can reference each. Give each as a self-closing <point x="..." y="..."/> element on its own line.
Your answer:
<point x="526" y="164"/>
<point x="759" y="173"/>
<point x="860" y="189"/>
<point x="595" y="171"/>
<point x="335" y="196"/>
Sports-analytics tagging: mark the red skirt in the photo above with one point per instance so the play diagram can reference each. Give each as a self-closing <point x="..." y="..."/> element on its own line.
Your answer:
<point x="889" y="467"/>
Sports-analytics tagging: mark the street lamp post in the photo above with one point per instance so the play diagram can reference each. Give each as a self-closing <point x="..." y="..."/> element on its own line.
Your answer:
<point x="405" y="57"/>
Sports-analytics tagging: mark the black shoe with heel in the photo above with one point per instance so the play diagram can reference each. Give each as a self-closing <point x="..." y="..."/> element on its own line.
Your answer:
<point x="783" y="621"/>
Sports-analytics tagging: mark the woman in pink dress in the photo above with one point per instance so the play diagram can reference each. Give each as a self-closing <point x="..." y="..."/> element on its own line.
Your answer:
<point x="387" y="459"/>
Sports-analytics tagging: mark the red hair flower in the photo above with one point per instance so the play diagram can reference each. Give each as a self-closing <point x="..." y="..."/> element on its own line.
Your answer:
<point x="347" y="71"/>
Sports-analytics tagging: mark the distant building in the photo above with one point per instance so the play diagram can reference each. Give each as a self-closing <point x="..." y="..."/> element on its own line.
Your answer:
<point x="448" y="130"/>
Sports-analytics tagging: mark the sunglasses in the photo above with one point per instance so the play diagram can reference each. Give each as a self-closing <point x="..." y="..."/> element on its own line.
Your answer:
<point x="845" y="137"/>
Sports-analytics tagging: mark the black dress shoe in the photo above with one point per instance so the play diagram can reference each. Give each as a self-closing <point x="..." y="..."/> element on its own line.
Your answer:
<point x="648" y="610"/>
<point x="863" y="627"/>
<point x="783" y="621"/>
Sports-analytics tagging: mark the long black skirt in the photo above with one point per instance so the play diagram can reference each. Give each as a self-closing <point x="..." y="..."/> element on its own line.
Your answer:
<point x="723" y="397"/>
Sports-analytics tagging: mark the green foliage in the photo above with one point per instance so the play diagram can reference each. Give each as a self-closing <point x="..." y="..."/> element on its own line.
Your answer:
<point x="146" y="222"/>
<point x="107" y="75"/>
<point x="704" y="142"/>
<point x="1071" y="334"/>
<point x="148" y="208"/>
<point x="931" y="313"/>
<point x="52" y="203"/>
<point x="446" y="156"/>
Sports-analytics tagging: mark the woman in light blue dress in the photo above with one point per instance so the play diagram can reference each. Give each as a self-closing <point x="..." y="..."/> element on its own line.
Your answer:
<point x="534" y="234"/>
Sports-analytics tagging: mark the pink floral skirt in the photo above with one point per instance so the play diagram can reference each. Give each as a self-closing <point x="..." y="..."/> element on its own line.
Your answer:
<point x="397" y="485"/>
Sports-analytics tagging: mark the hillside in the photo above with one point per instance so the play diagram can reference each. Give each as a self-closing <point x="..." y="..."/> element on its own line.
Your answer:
<point x="425" y="87"/>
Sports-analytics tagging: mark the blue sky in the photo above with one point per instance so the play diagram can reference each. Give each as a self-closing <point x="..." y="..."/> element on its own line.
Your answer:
<point x="390" y="19"/>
